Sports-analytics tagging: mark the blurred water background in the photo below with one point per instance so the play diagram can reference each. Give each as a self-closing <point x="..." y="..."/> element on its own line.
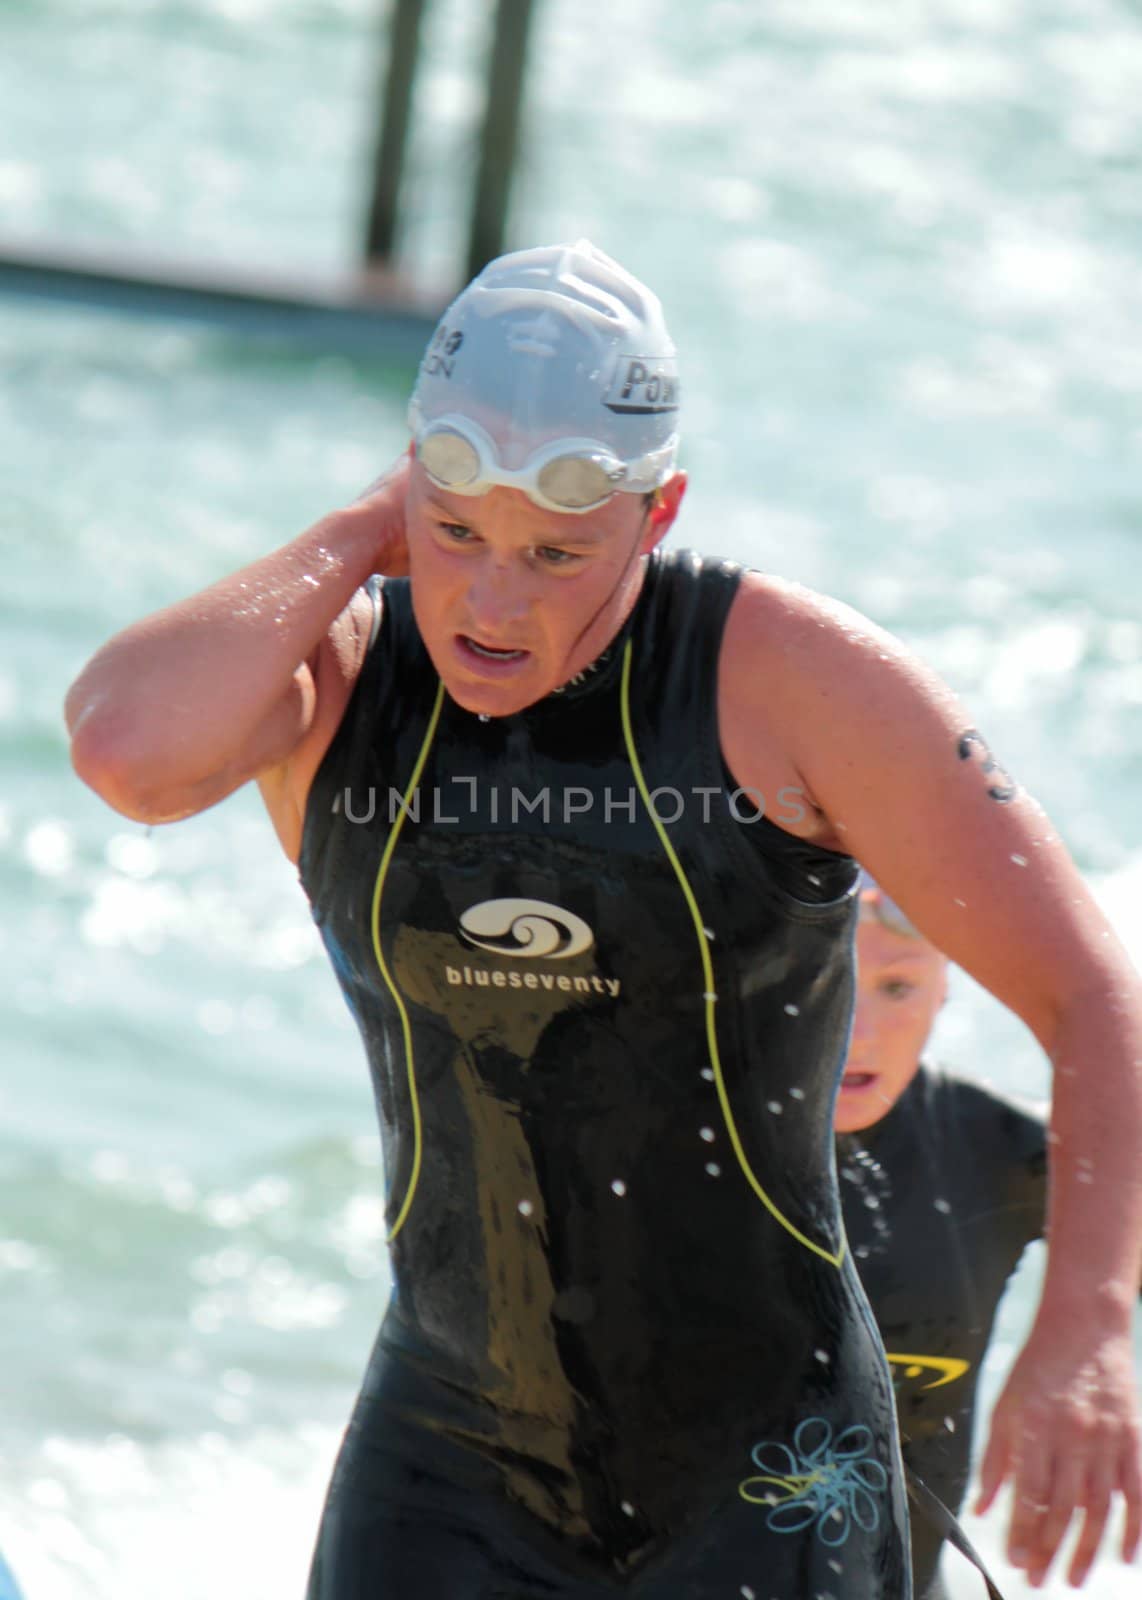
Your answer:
<point x="900" y="249"/>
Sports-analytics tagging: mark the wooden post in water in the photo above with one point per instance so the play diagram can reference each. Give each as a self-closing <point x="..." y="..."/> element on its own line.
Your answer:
<point x="388" y="166"/>
<point x="371" y="302"/>
<point x="500" y="132"/>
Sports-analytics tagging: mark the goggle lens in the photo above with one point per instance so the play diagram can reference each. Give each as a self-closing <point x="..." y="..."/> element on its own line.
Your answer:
<point x="450" y="460"/>
<point x="579" y="482"/>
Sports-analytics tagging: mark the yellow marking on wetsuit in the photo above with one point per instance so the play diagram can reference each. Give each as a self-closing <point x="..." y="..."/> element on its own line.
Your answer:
<point x="796" y="1484"/>
<point x="708" y="974"/>
<point x="950" y="1366"/>
<point x="378" y="891"/>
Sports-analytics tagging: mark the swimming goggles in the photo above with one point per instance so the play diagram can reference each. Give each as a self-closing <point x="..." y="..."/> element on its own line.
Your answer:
<point x="876" y="906"/>
<point x="567" y="475"/>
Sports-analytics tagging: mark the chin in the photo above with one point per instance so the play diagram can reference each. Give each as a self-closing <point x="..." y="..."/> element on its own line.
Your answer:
<point x="490" y="699"/>
<point x="853" y="1124"/>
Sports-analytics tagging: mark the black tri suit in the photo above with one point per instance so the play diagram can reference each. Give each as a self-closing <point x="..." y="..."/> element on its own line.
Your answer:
<point x="941" y="1197"/>
<point x="605" y="1011"/>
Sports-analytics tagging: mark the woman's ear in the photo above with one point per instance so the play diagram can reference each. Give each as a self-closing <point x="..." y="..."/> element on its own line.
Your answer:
<point x="663" y="508"/>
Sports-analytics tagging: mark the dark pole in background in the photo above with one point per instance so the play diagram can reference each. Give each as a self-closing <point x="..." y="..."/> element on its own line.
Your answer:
<point x="500" y="132"/>
<point x="404" y="47"/>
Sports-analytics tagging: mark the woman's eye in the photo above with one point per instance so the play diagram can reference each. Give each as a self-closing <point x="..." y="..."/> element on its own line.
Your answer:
<point x="897" y="988"/>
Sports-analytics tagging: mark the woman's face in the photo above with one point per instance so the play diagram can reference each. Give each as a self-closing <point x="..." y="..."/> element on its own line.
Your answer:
<point x="512" y="600"/>
<point x="901" y="984"/>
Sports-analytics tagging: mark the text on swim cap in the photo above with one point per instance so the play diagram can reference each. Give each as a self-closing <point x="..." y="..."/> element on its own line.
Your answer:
<point x="440" y="357"/>
<point x="644" y="384"/>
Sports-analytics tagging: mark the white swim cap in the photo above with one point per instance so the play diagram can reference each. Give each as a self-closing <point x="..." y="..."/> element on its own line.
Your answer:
<point x="557" y="342"/>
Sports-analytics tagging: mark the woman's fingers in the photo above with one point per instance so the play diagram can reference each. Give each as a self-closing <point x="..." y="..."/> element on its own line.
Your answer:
<point x="1130" y="1482"/>
<point x="996" y="1463"/>
<point x="1033" y="1476"/>
<point x="1064" y="1495"/>
<point x="1096" y="1509"/>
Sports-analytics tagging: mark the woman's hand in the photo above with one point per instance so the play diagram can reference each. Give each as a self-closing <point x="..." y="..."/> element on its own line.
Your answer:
<point x="1065" y="1430"/>
<point x="386" y="499"/>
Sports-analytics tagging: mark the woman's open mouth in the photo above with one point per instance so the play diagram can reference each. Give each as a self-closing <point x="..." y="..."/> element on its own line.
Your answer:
<point x="858" y="1080"/>
<point x="489" y="655"/>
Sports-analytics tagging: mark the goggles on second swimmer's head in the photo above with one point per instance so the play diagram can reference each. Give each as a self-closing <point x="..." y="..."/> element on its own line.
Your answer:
<point x="570" y="476"/>
<point x="876" y="906"/>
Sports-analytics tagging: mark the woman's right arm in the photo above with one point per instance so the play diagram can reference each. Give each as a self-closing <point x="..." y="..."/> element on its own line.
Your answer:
<point x="183" y="707"/>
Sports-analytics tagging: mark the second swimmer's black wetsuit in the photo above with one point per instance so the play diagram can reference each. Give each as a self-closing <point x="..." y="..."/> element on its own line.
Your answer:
<point x="940" y="1199"/>
<point x="626" y="1350"/>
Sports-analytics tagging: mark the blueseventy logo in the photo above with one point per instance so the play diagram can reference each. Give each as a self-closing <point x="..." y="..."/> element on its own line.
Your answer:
<point x="532" y="928"/>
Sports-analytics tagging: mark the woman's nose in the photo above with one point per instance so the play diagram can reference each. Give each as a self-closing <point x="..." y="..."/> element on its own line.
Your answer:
<point x="499" y="595"/>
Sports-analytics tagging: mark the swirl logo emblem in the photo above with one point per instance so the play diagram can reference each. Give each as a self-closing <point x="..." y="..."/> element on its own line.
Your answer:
<point x="822" y="1480"/>
<point x="526" y="928"/>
